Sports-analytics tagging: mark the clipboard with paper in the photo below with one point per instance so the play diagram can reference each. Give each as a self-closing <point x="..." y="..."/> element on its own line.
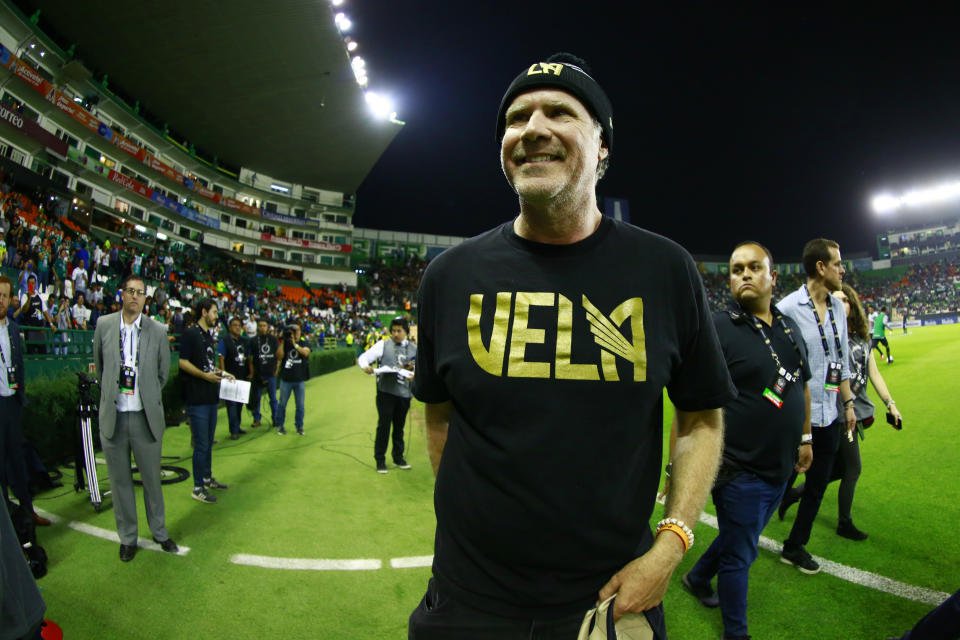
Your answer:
<point x="235" y="390"/>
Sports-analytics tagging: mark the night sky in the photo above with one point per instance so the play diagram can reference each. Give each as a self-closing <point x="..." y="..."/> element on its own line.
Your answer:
<point x="728" y="125"/>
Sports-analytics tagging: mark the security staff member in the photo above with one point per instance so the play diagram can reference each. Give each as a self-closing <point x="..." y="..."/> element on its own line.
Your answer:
<point x="131" y="354"/>
<point x="767" y="434"/>
<point x="393" y="390"/>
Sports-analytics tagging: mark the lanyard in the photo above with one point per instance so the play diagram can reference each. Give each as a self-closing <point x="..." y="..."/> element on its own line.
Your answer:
<point x="3" y="358"/>
<point x="833" y="324"/>
<point x="777" y="318"/>
<point x="123" y="356"/>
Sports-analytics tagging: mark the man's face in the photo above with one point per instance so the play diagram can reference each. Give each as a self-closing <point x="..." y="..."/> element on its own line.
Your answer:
<point x="236" y="328"/>
<point x="80" y="299"/>
<point x="262" y="327"/>
<point x="5" y="290"/>
<point x="551" y="147"/>
<point x="751" y="277"/>
<point x="211" y="315"/>
<point x="398" y="334"/>
<point x="31" y="285"/>
<point x="133" y="296"/>
<point x="832" y="272"/>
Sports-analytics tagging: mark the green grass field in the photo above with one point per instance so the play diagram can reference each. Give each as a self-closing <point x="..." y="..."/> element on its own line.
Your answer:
<point x="318" y="496"/>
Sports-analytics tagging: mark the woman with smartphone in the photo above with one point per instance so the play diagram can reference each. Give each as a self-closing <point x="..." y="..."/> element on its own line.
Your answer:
<point x="863" y="367"/>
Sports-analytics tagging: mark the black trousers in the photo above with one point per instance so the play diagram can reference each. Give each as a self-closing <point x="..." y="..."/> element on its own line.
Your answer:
<point x="11" y="450"/>
<point x="825" y="441"/>
<point x="390" y="409"/>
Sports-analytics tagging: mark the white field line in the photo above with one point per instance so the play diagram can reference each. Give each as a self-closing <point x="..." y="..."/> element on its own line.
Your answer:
<point x="411" y="562"/>
<point x="142" y="543"/>
<point x="307" y="564"/>
<point x="852" y="574"/>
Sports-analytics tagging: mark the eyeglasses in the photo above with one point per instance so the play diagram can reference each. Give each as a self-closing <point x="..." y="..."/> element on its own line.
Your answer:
<point x="135" y="292"/>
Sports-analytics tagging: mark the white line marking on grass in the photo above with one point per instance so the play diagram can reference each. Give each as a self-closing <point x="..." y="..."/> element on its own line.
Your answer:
<point x="307" y="564"/>
<point x="52" y="517"/>
<point x="142" y="543"/>
<point x="411" y="562"/>
<point x="854" y="575"/>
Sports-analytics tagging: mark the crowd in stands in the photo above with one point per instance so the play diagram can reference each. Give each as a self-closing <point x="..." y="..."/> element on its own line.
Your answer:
<point x="924" y="289"/>
<point x="76" y="278"/>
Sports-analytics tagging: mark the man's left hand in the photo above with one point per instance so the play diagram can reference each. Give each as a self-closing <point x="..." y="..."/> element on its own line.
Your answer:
<point x="641" y="584"/>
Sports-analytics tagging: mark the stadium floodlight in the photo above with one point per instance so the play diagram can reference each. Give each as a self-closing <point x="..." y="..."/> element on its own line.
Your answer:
<point x="343" y="22"/>
<point x="352" y="45"/>
<point x="381" y="106"/>
<point x="916" y="198"/>
<point x="336" y="3"/>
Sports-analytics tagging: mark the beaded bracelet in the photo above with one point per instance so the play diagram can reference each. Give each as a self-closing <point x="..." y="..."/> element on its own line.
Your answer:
<point x="678" y="527"/>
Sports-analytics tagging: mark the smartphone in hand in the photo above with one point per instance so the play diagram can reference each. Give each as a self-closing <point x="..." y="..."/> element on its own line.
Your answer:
<point x="896" y="423"/>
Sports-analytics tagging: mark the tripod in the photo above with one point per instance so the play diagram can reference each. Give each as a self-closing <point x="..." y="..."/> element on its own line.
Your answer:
<point x="86" y="410"/>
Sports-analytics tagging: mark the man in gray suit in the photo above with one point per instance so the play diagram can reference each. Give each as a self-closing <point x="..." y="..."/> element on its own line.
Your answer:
<point x="132" y="358"/>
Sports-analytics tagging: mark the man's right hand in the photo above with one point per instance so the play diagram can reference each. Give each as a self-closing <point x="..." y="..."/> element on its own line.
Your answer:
<point x="368" y="369"/>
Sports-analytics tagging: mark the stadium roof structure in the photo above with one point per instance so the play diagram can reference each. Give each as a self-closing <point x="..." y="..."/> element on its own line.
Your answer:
<point x="263" y="85"/>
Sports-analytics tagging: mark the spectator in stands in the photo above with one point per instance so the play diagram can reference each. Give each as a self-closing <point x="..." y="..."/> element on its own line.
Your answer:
<point x="13" y="240"/>
<point x="263" y="350"/>
<point x="80" y="278"/>
<point x="234" y="357"/>
<point x="26" y="273"/>
<point x="393" y="390"/>
<point x="33" y="313"/>
<point x="43" y="269"/>
<point x="81" y="257"/>
<point x="64" y="321"/>
<point x="60" y="272"/>
<point x="201" y="391"/>
<point x="293" y="354"/>
<point x="80" y="313"/>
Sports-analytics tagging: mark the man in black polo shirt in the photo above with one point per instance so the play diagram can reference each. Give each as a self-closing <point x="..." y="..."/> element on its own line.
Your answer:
<point x="235" y="360"/>
<point x="263" y="355"/>
<point x="765" y="424"/>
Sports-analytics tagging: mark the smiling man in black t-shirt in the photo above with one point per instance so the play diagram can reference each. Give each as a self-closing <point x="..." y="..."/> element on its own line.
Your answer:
<point x="544" y="349"/>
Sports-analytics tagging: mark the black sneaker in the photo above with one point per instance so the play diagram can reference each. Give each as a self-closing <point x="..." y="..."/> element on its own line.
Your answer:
<point x="382" y="467"/>
<point x="199" y="493"/>
<point x="299" y="432"/>
<point x="801" y="560"/>
<point x="281" y="431"/>
<point x="211" y="483"/>
<point x="402" y="464"/>
<point x="849" y="531"/>
<point x="234" y="436"/>
<point x="705" y="594"/>
<point x="241" y="432"/>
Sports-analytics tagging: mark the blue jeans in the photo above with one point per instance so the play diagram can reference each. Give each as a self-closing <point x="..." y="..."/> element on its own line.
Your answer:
<point x="256" y="392"/>
<point x="744" y="506"/>
<point x="298" y="389"/>
<point x="234" y="413"/>
<point x="203" y="422"/>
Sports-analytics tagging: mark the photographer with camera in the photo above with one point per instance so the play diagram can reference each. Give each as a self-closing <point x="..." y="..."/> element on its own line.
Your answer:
<point x="234" y="358"/>
<point x="263" y="357"/>
<point x="293" y="357"/>
<point x="393" y="390"/>
<point x="201" y="394"/>
<point x="131" y="355"/>
<point x="33" y="313"/>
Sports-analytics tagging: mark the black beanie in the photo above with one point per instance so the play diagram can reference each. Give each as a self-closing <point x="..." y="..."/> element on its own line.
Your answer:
<point x="565" y="72"/>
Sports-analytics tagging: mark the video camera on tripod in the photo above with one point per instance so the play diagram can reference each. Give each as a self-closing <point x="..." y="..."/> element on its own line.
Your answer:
<point x="87" y="408"/>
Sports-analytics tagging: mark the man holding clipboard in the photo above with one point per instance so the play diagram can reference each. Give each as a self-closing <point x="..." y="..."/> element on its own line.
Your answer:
<point x="201" y="394"/>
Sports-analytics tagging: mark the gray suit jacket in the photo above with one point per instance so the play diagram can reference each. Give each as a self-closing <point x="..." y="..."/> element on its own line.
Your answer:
<point x="154" y="369"/>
